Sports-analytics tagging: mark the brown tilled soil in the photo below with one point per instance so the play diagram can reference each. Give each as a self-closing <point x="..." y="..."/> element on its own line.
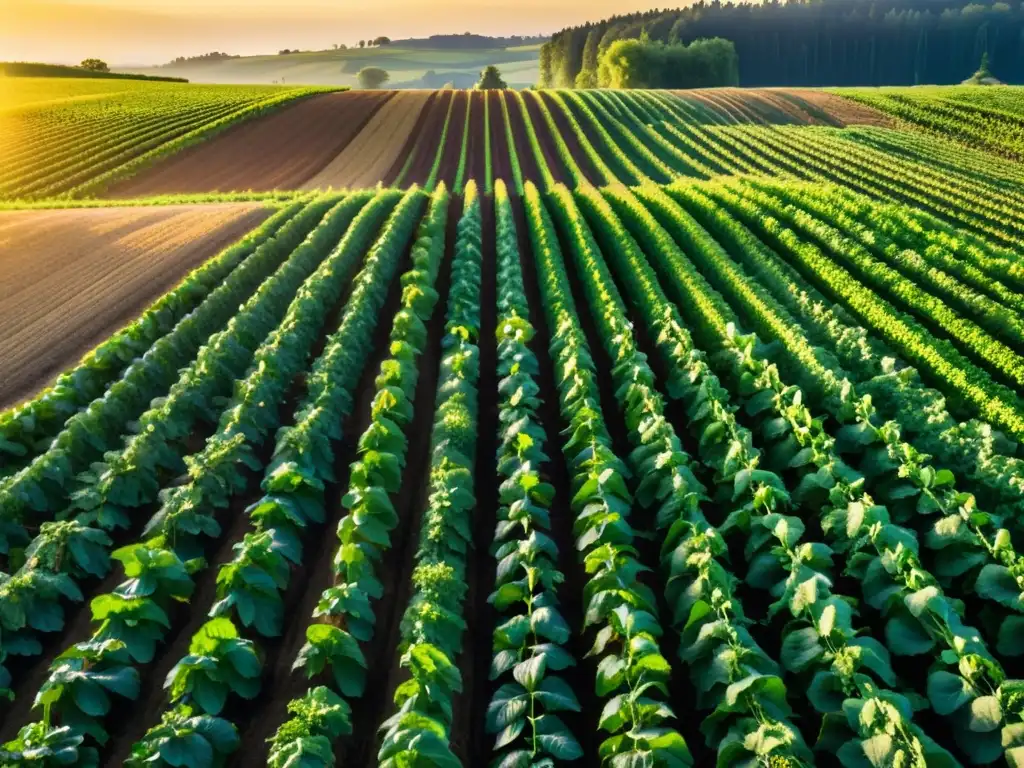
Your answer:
<point x="540" y="126"/>
<point x="412" y="141"/>
<point x="371" y="154"/>
<point x="452" y="152"/>
<point x="501" y="161"/>
<point x="476" y="149"/>
<point x="573" y="139"/>
<point x="70" y="278"/>
<point x="430" y="137"/>
<point x="843" y="111"/>
<point x="527" y="160"/>
<point x="280" y="151"/>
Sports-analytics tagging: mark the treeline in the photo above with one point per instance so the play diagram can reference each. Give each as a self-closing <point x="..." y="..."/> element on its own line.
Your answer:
<point x="470" y="41"/>
<point x="837" y="42"/>
<point x="205" y="58"/>
<point x="34" y="69"/>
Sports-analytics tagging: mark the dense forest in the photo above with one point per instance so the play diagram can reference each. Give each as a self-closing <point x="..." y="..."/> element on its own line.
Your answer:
<point x="830" y="42"/>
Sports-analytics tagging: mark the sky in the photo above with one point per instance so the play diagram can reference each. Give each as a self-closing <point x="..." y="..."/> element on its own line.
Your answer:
<point x="142" y="32"/>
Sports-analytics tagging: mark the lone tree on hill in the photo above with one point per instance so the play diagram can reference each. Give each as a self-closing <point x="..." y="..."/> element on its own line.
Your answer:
<point x="381" y="40"/>
<point x="362" y="43"/>
<point x="491" y="79"/>
<point x="984" y="75"/>
<point x="372" y="77"/>
<point x="95" y="65"/>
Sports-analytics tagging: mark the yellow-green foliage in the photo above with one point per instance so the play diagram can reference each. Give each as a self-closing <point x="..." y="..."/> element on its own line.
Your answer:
<point x="71" y="136"/>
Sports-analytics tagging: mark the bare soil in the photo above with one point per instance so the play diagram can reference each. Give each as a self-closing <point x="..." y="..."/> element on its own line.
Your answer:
<point x="413" y="140"/>
<point x="280" y="151"/>
<point x="501" y="161"/>
<point x="73" y="277"/>
<point x="572" y="139"/>
<point x="476" y="151"/>
<point x="844" y="111"/>
<point x="381" y="142"/>
<point x="547" y="144"/>
<point x="527" y="160"/>
<point x="452" y="152"/>
<point x="430" y="137"/>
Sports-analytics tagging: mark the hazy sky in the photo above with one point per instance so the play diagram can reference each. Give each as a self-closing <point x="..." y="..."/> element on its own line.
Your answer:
<point x="155" y="31"/>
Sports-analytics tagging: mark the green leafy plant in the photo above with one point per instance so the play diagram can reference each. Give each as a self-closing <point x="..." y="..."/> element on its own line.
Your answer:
<point x="185" y="738"/>
<point x="219" y="663"/>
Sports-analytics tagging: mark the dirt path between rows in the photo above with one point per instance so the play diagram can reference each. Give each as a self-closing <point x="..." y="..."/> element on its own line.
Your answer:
<point x="70" y="278"/>
<point x="411" y="142"/>
<point x="430" y="137"/>
<point x="452" y="152"/>
<point x="280" y="151"/>
<point x="476" y="147"/>
<point x="501" y="160"/>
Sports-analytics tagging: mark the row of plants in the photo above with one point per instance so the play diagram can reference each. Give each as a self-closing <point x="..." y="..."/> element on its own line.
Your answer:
<point x="224" y="656"/>
<point x="435" y="169"/>
<point x="605" y="172"/>
<point x="132" y="620"/>
<point x="964" y="540"/>
<point x="938" y="307"/>
<point x="546" y="177"/>
<point x="465" y="146"/>
<point x="76" y="549"/>
<point x="488" y="162"/>
<point x="531" y="634"/>
<point x="843" y="669"/>
<point x="642" y="158"/>
<point x="966" y="683"/>
<point x="932" y="260"/>
<point x="748" y="699"/>
<point x="344" y="618"/>
<point x="896" y="391"/>
<point x="639" y="121"/>
<point x="510" y="141"/>
<point x="29" y="426"/>
<point x="37" y="491"/>
<point x="958" y="199"/>
<point x="432" y="625"/>
<point x="620" y="610"/>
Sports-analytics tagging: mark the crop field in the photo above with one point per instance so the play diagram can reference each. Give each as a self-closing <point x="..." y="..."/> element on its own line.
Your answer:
<point x="623" y="428"/>
<point x="75" y="137"/>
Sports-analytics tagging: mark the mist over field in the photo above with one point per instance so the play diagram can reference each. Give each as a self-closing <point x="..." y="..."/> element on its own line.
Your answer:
<point x="147" y="32"/>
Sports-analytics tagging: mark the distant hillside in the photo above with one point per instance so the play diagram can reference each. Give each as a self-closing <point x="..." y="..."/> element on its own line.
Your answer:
<point x="467" y="40"/>
<point x="34" y="69"/>
<point x="410" y="64"/>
